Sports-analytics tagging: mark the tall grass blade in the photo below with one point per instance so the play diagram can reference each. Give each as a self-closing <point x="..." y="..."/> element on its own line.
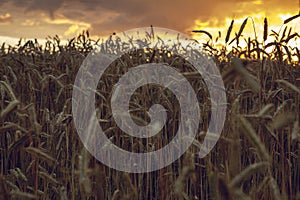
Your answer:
<point x="229" y="31"/>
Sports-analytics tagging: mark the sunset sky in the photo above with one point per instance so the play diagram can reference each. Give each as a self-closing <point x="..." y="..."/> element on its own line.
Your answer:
<point x="67" y="18"/>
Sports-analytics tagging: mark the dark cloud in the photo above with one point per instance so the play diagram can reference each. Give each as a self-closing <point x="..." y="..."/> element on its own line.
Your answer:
<point x="49" y="6"/>
<point x="178" y="14"/>
<point x="73" y="14"/>
<point x="2" y="2"/>
<point x="45" y="5"/>
<point x="21" y="3"/>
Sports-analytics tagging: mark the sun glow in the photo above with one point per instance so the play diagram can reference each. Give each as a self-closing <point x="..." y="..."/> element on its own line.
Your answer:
<point x="254" y="29"/>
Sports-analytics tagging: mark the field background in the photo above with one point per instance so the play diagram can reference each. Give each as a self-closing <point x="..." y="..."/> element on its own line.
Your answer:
<point x="257" y="156"/>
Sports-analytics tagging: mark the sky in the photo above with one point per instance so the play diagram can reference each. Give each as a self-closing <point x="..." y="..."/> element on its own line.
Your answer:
<point x="67" y="18"/>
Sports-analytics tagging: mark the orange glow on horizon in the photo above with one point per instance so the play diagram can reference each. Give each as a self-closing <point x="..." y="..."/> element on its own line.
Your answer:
<point x="254" y="27"/>
<point x="275" y="23"/>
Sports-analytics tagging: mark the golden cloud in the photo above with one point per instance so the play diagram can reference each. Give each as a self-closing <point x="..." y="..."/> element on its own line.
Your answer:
<point x="75" y="27"/>
<point x="29" y="22"/>
<point x="6" y="18"/>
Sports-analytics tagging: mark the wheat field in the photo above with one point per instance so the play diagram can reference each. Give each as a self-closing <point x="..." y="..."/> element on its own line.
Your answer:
<point x="257" y="156"/>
